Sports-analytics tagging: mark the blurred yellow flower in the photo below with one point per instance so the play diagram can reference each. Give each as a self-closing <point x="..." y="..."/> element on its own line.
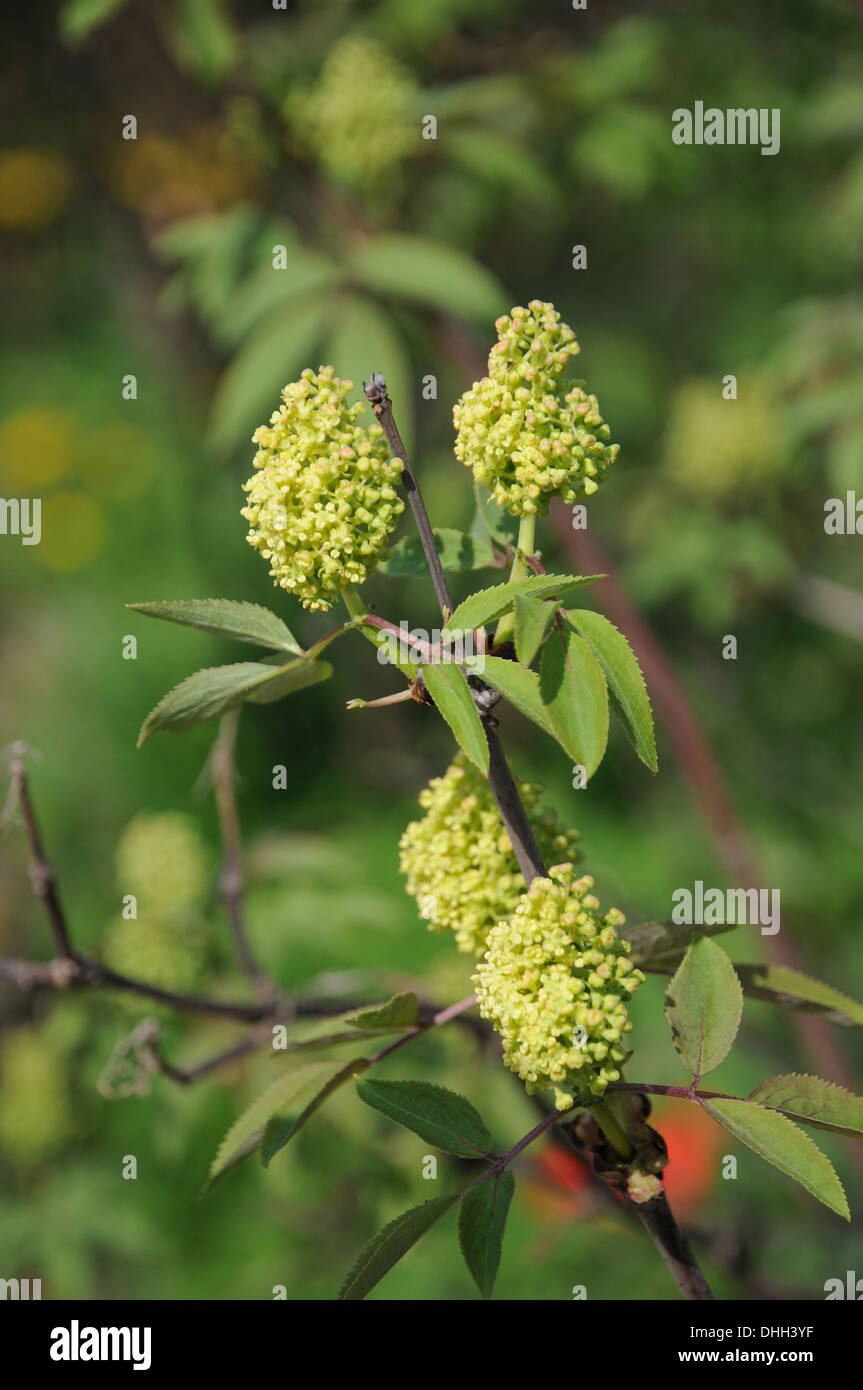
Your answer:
<point x="35" y="449"/>
<point x="35" y="1109"/>
<point x="164" y="179"/>
<point x="714" y="446"/>
<point x="117" y="461"/>
<point x="34" y="189"/>
<point x="73" y="528"/>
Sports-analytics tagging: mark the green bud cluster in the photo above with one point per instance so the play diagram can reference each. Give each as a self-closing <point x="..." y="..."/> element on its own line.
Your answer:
<point x="526" y="438"/>
<point x="323" y="501"/>
<point x="554" y="983"/>
<point x="163" y="861"/>
<point x="36" y="1115"/>
<point x="458" y="860"/>
<point x="361" y="117"/>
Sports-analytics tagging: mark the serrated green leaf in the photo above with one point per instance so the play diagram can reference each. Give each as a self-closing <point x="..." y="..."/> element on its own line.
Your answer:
<point x="427" y="271"/>
<point x="386" y="1248"/>
<point x="811" y="1101"/>
<point x="704" y="1003"/>
<point x="775" y="1138"/>
<point x="626" y="687"/>
<point x="402" y="1011"/>
<point x="481" y="1223"/>
<point x="437" y="1115"/>
<point x="246" y="622"/>
<point x="364" y="339"/>
<point x="281" y="1129"/>
<point x="518" y="685"/>
<point x="488" y="604"/>
<point x="457" y="551"/>
<point x="532" y="617"/>
<point x="217" y="689"/>
<point x="791" y="989"/>
<point x="575" y="697"/>
<point x="273" y="355"/>
<point x="290" y="1091"/>
<point x="448" y="687"/>
<point x="662" y="944"/>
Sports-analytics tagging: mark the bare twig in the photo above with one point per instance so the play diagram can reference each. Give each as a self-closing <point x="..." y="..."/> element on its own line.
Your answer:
<point x="41" y="873"/>
<point x="231" y="882"/>
<point x="376" y="391"/>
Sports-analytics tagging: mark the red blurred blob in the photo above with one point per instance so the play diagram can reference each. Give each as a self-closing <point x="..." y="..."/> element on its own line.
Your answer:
<point x="561" y="1179"/>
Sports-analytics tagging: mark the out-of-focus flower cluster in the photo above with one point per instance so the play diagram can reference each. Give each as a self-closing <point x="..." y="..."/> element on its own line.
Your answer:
<point x="554" y="983"/>
<point x="360" y="119"/>
<point x="162" y="863"/>
<point x="526" y="438"/>
<point x="323" y="500"/>
<point x="458" y="860"/>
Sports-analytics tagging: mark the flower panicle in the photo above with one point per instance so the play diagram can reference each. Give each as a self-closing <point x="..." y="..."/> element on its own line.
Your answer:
<point x="554" y="982"/>
<point x="528" y="436"/>
<point x="323" y="499"/>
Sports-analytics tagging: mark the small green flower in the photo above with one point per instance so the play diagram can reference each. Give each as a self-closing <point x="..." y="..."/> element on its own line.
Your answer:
<point x="162" y="860"/>
<point x="554" y="983"/>
<point x="526" y="438"/>
<point x="458" y="860"/>
<point x="323" y="501"/>
<point x="361" y="118"/>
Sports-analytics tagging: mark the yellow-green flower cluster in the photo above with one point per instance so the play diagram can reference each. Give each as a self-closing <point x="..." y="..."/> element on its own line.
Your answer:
<point x="361" y="118"/>
<point x="323" y="500"/>
<point x="525" y="437"/>
<point x="458" y="859"/>
<point x="36" y="1113"/>
<point x="554" y="983"/>
<point x="162" y="860"/>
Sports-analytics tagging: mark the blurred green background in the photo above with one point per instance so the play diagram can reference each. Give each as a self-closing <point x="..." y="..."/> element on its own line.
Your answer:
<point x="153" y="257"/>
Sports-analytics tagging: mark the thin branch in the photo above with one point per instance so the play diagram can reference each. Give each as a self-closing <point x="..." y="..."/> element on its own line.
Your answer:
<point x="510" y="805"/>
<point x="231" y="880"/>
<point x="41" y="873"/>
<point x="672" y="1243"/>
<point x="442" y="1016"/>
<point x="185" y="1076"/>
<point x="378" y="396"/>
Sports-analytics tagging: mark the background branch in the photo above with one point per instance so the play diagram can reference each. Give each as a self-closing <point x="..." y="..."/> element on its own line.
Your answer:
<point x="231" y="881"/>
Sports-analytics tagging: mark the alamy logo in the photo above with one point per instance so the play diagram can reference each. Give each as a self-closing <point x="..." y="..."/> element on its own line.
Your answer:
<point x="21" y="1290"/>
<point x="716" y="907"/>
<point x="734" y="126"/>
<point x="441" y="646"/>
<point x="851" y="1288"/>
<point x="76" y="1343"/>
<point x="21" y="516"/>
